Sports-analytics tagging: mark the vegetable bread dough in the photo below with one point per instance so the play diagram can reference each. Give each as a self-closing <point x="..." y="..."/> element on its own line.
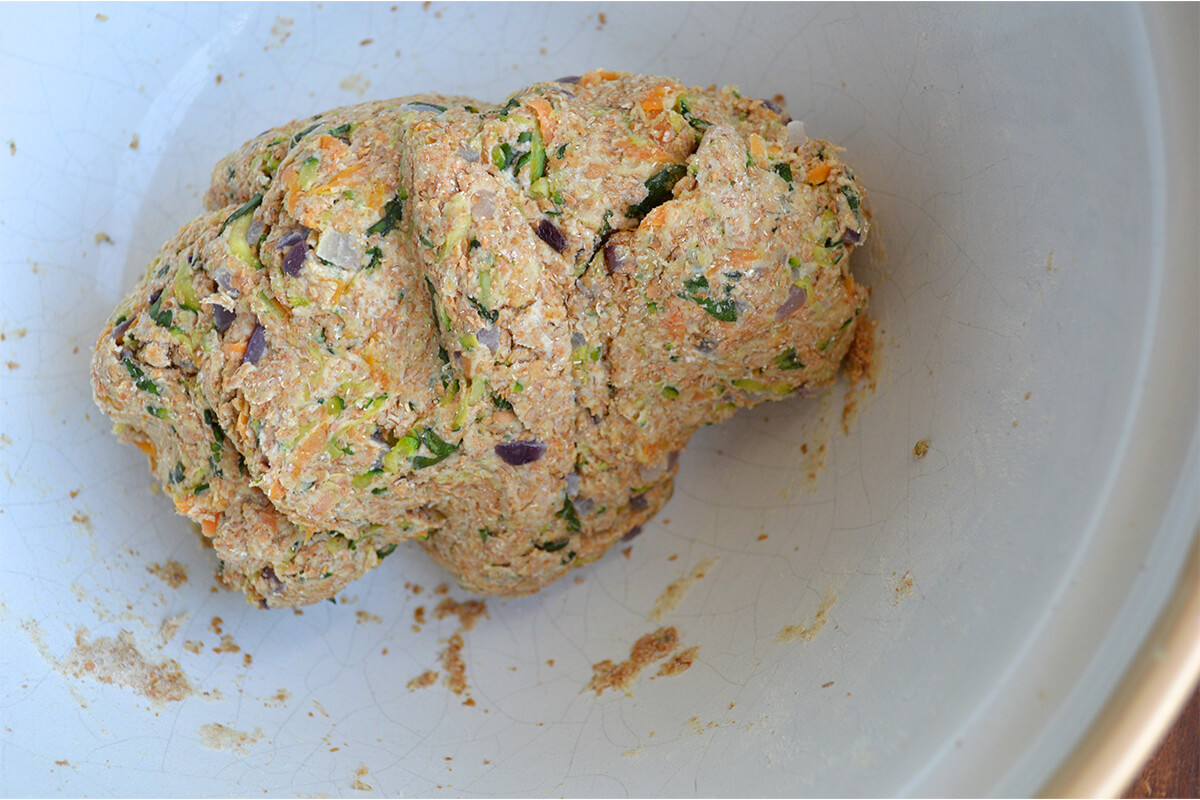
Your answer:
<point x="488" y="328"/>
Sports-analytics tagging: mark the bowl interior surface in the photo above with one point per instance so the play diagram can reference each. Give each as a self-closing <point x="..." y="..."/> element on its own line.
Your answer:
<point x="964" y="614"/>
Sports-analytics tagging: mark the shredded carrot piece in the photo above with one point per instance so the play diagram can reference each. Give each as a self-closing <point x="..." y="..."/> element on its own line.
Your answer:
<point x="209" y="525"/>
<point x="304" y="452"/>
<point x="656" y="218"/>
<point x="652" y="103"/>
<point x="332" y="186"/>
<point x="818" y="174"/>
<point x="545" y="117"/>
<point x="598" y="76"/>
<point x="151" y="453"/>
<point x="234" y="350"/>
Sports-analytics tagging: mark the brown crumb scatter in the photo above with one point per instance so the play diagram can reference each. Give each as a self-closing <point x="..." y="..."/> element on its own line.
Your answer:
<point x="902" y="587"/>
<point x="467" y="612"/>
<point x="423" y="681"/>
<point x="220" y="78"/>
<point x="366" y="42"/>
<point x="170" y="627"/>
<point x="193" y="646"/>
<point x="134" y="143"/>
<point x="627" y="552"/>
<point x="646" y="650"/>
<point x="826" y="684"/>
<point x="419" y="615"/>
<point x="809" y="629"/>
<point x="363" y="616"/>
<point x="216" y="736"/>
<point x="279" y="698"/>
<point x="119" y="662"/>
<point x="171" y="573"/>
<point x="227" y="645"/>
<point x="443" y="589"/>
<point x="456" y="668"/>
<point x="678" y="663"/>
<point x="920" y="449"/>
<point x="247" y="659"/>
<point x="359" y="774"/>
<point x="860" y="360"/>
<point x="602" y="18"/>
<point x="63" y="763"/>
<point x="81" y="519"/>
<point x="673" y="556"/>
<point x="13" y="364"/>
<point x="549" y="662"/>
<point x="383" y="652"/>
<point x="673" y="595"/>
<point x="762" y="537"/>
<point x="73" y="493"/>
<point x="12" y="147"/>
<point x="215" y="625"/>
<point x="103" y="238"/>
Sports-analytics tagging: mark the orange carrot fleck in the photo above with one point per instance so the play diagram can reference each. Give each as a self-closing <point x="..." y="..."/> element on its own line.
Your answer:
<point x="819" y="174"/>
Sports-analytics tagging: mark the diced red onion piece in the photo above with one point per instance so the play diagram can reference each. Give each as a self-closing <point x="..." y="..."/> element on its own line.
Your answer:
<point x="584" y="505"/>
<point x="707" y="345"/>
<point x="224" y="279"/>
<point x="254" y="230"/>
<point x="468" y="154"/>
<point x="489" y="338"/>
<point x="638" y="502"/>
<point x="483" y="205"/>
<point x="293" y="259"/>
<point x="222" y="317"/>
<point x="795" y="301"/>
<point x="771" y="104"/>
<point x="340" y="249"/>
<point x="617" y="259"/>
<point x="796" y="134"/>
<point x="272" y="580"/>
<point x="157" y="293"/>
<point x="632" y="533"/>
<point x="291" y="238"/>
<point x="573" y="484"/>
<point x="119" y="331"/>
<point x="567" y="79"/>
<point x="256" y="345"/>
<point x="551" y="235"/>
<point x="520" y="453"/>
<point x="852" y="236"/>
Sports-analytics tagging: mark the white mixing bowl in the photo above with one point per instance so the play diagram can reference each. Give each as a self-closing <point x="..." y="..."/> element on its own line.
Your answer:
<point x="1032" y="171"/>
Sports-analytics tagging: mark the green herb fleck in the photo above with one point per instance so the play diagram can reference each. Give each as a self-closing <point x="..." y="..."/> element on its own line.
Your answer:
<point x="393" y="213"/>
<point x="568" y="514"/>
<point x="658" y="189"/>
<point x="787" y="360"/>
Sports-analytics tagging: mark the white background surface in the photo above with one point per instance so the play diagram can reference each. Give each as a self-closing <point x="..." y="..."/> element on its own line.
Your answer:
<point x="1013" y="160"/>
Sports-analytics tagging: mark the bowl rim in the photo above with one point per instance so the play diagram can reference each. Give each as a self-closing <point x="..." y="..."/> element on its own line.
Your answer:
<point x="1152" y="691"/>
